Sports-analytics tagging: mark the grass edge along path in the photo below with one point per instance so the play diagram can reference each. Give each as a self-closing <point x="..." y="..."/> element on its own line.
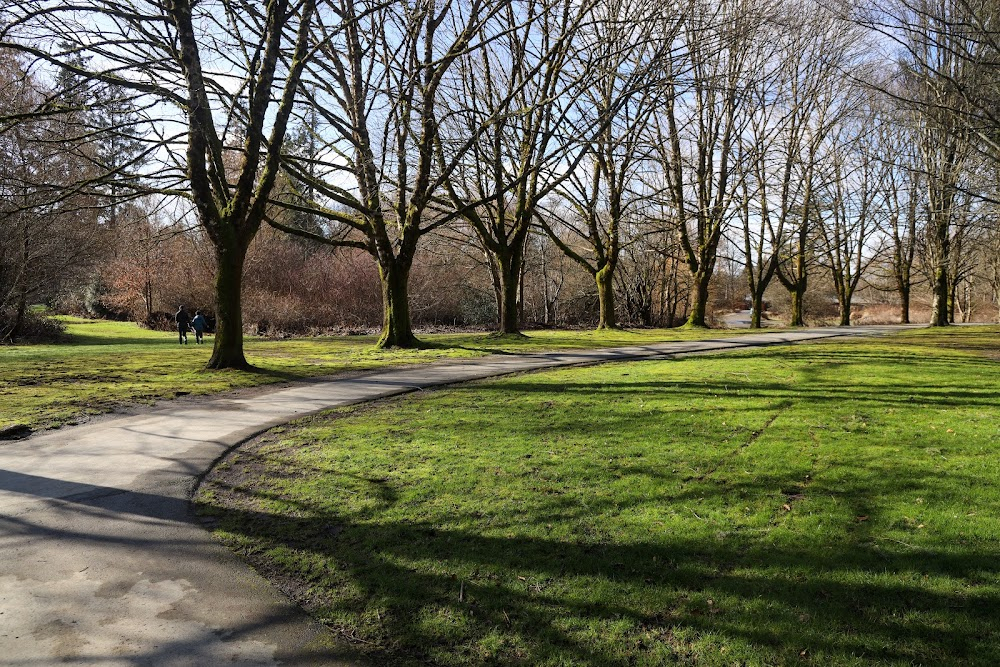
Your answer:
<point x="104" y="366"/>
<point x="830" y="503"/>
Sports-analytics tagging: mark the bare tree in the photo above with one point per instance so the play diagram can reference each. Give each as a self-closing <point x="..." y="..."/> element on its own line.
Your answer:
<point x="798" y="100"/>
<point x="991" y="256"/>
<point x="948" y="50"/>
<point x="902" y="199"/>
<point x="51" y="232"/>
<point x="703" y="111"/>
<point x="376" y="84"/>
<point x="954" y="47"/>
<point x="849" y="209"/>
<point x="517" y="97"/>
<point x="216" y="82"/>
<point x="629" y="46"/>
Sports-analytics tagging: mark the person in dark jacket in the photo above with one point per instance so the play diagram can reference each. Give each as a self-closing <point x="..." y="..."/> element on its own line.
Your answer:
<point x="199" y="324"/>
<point x="183" y="321"/>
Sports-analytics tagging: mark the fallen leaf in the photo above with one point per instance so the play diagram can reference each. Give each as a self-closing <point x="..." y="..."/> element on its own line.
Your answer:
<point x="863" y="517"/>
<point x="786" y="507"/>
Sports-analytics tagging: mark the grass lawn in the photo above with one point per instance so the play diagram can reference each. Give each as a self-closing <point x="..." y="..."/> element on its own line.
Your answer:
<point x="836" y="503"/>
<point x="103" y="365"/>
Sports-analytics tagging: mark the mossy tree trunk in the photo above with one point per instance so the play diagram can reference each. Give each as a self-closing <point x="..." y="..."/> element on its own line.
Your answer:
<point x="397" y="330"/>
<point x="606" y="296"/>
<point x="756" y="307"/>
<point x="22" y="297"/>
<point x="939" y="298"/>
<point x="232" y="200"/>
<point x="797" y="279"/>
<point x="845" y="313"/>
<point x="798" y="294"/>
<point x="510" y="272"/>
<point x="228" y="349"/>
<point x="940" y="289"/>
<point x="904" y="251"/>
<point x="698" y="317"/>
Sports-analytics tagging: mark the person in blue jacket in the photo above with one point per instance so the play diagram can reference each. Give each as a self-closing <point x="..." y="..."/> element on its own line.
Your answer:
<point x="199" y="324"/>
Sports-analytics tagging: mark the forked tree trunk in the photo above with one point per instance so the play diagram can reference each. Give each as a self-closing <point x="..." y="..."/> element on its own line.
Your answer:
<point x="396" y="327"/>
<point x="22" y="296"/>
<point x="228" y="350"/>
<point x="606" y="296"/>
<point x="14" y="333"/>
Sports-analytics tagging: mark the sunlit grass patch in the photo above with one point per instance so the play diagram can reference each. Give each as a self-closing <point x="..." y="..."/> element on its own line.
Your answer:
<point x="830" y="503"/>
<point x="102" y="364"/>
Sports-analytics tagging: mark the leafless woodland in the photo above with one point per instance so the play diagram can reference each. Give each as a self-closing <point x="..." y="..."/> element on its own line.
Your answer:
<point x="301" y="165"/>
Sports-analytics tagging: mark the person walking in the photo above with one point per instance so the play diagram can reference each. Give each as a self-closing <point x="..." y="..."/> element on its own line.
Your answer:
<point x="183" y="321"/>
<point x="199" y="324"/>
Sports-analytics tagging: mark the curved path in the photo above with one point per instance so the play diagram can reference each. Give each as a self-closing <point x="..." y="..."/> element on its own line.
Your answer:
<point x="101" y="562"/>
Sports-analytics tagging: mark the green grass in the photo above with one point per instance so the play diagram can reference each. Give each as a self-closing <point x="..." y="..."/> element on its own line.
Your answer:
<point x="103" y="365"/>
<point x="835" y="503"/>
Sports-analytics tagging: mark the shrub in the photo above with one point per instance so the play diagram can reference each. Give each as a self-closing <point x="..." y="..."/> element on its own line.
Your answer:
<point x="35" y="327"/>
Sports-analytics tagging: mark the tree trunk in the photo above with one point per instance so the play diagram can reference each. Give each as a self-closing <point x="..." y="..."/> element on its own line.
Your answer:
<point x="14" y="332"/>
<point x="606" y="296"/>
<point x="520" y="294"/>
<point x="228" y="350"/>
<point x="939" y="304"/>
<point x="845" y="312"/>
<point x="940" y="288"/>
<point x="952" y="299"/>
<point x="699" y="301"/>
<point x="510" y="282"/>
<point x="396" y="327"/>
<point x="797" y="293"/>
<point x="22" y="295"/>
<point x="673" y="294"/>
<point x="546" y="307"/>
<point x="147" y="295"/>
<point x="756" y="307"/>
<point x="904" y="306"/>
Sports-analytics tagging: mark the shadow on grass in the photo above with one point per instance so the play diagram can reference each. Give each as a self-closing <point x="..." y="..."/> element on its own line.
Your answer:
<point x="807" y="385"/>
<point x="852" y="594"/>
<point x="845" y="601"/>
<point x="415" y="591"/>
<point x="99" y="340"/>
<point x="944" y="397"/>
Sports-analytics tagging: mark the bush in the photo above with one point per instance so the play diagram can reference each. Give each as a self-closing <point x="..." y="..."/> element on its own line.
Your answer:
<point x="36" y="327"/>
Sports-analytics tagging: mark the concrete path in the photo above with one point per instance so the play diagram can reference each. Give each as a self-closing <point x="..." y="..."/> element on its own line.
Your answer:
<point x="101" y="562"/>
<point x="741" y="320"/>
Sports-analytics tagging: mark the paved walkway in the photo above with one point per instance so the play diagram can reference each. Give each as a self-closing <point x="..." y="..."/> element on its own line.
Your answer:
<point x="101" y="562"/>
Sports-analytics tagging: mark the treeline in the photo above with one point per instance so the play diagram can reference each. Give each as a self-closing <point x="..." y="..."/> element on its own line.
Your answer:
<point x="467" y="153"/>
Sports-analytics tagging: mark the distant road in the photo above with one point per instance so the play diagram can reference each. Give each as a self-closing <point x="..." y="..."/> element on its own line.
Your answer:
<point x="741" y="320"/>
